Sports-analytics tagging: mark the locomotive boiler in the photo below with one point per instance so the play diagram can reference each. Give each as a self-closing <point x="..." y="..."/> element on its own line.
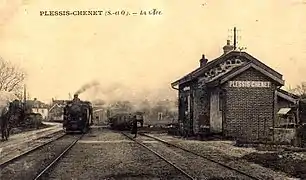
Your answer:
<point x="77" y="116"/>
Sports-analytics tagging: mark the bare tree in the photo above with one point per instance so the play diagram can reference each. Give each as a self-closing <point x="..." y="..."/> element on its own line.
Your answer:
<point x="11" y="77"/>
<point x="299" y="90"/>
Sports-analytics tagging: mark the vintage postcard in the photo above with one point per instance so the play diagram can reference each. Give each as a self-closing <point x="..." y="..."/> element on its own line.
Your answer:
<point x="152" y="89"/>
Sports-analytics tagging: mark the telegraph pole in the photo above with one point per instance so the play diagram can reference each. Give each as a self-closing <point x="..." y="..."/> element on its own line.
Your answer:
<point x="233" y="34"/>
<point x="24" y="96"/>
<point x="235" y="38"/>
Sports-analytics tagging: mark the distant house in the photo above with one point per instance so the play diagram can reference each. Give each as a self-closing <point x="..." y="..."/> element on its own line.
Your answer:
<point x="36" y="106"/>
<point x="56" y="110"/>
<point x="99" y="115"/>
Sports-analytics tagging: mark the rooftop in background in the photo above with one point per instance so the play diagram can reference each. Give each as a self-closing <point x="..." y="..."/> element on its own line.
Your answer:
<point x="58" y="101"/>
<point x="36" y="104"/>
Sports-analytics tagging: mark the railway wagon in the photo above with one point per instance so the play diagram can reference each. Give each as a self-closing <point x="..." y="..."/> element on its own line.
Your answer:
<point x="121" y="121"/>
<point x="77" y="116"/>
<point x="124" y="120"/>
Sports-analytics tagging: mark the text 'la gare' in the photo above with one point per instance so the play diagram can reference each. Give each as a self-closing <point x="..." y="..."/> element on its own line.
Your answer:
<point x="151" y="12"/>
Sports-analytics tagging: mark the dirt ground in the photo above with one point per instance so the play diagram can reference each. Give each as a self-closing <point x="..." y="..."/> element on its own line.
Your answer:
<point x="293" y="163"/>
<point x="25" y="129"/>
<point x="278" y="159"/>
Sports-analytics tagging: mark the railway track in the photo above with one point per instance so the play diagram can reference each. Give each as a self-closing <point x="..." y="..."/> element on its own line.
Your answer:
<point x="46" y="169"/>
<point x="162" y="157"/>
<point x="180" y="166"/>
<point x="41" y="160"/>
<point x="200" y="156"/>
<point x="17" y="157"/>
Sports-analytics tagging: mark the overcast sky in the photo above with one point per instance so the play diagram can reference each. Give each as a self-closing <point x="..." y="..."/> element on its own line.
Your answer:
<point x="60" y="54"/>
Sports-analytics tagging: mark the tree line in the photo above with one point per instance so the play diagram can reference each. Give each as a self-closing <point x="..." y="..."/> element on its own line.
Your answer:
<point x="299" y="90"/>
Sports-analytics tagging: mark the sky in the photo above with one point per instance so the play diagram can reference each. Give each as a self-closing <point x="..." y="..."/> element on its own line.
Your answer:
<point x="139" y="56"/>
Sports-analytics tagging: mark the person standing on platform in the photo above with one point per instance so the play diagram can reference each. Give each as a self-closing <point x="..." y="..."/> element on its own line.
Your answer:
<point x="134" y="126"/>
<point x="4" y="122"/>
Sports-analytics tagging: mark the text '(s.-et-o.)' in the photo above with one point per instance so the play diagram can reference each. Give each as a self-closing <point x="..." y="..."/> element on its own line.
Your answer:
<point x="151" y="12"/>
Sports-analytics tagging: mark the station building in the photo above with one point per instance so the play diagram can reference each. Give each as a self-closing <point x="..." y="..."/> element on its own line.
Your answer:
<point x="235" y="95"/>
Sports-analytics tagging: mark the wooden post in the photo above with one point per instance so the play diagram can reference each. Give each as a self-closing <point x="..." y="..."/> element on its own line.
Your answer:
<point x="235" y="39"/>
<point x="258" y="125"/>
<point x="298" y="112"/>
<point x="274" y="113"/>
<point x="265" y="133"/>
<point x="297" y="125"/>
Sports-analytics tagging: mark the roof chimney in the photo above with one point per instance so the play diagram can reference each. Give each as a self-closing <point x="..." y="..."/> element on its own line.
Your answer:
<point x="203" y="61"/>
<point x="228" y="47"/>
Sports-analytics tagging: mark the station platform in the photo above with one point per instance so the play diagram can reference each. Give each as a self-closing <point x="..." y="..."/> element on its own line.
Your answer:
<point x="18" y="143"/>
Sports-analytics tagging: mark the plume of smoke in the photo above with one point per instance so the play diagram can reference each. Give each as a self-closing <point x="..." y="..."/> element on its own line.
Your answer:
<point x="86" y="87"/>
<point x="140" y="98"/>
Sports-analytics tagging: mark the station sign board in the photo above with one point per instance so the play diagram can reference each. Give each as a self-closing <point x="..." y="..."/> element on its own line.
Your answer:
<point x="250" y="84"/>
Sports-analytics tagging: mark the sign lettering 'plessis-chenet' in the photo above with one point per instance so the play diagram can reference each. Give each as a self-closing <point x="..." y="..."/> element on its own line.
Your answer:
<point x="251" y="84"/>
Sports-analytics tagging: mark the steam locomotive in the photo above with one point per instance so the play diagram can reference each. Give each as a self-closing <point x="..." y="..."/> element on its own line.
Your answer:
<point x="77" y="116"/>
<point x="123" y="120"/>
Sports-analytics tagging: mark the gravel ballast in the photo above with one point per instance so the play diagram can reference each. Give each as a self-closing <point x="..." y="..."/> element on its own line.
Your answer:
<point x="194" y="165"/>
<point x="290" y="162"/>
<point x="105" y="154"/>
<point x="10" y="152"/>
<point x="28" y="166"/>
<point x="227" y="154"/>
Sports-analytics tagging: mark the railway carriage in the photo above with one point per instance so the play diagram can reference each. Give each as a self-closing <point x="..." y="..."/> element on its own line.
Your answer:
<point x="124" y="120"/>
<point x="120" y="121"/>
<point x="77" y="116"/>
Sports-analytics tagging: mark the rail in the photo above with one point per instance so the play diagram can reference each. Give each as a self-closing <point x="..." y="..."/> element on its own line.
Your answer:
<point x="40" y="175"/>
<point x="199" y="155"/>
<point x="2" y="165"/>
<point x="161" y="157"/>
